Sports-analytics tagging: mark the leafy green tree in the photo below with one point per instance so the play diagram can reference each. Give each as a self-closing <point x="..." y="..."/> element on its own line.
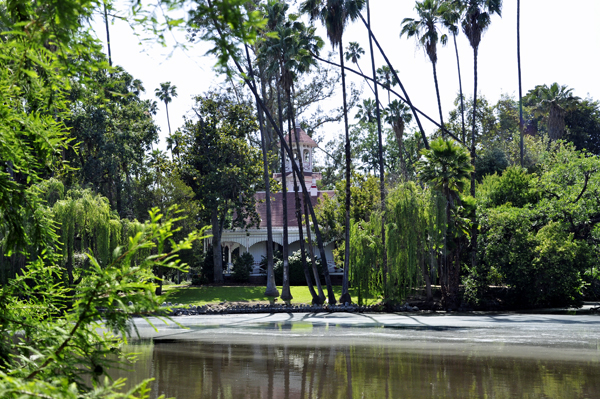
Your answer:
<point x="113" y="129"/>
<point x="425" y="31"/>
<point x="446" y="167"/>
<point x="219" y="165"/>
<point x="583" y="124"/>
<point x="334" y="15"/>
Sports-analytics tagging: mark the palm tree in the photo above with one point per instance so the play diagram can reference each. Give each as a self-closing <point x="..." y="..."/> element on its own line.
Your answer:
<point x="553" y="103"/>
<point x="271" y="290"/>
<point x="450" y="19"/>
<point x="476" y="20"/>
<point x="386" y="78"/>
<point x="398" y="115"/>
<point x="165" y="93"/>
<point x="334" y="15"/>
<point x="426" y="32"/>
<point x="288" y="55"/>
<point x="366" y="111"/>
<point x="446" y="167"/>
<point x="353" y="54"/>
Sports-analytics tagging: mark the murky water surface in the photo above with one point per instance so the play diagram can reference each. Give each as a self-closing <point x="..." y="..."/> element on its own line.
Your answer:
<point x="304" y="360"/>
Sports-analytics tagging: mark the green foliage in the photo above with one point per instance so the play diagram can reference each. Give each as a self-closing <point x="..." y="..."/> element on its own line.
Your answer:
<point x="296" y="275"/>
<point x="514" y="187"/>
<point x="61" y="338"/>
<point x="114" y="130"/>
<point x="542" y="265"/>
<point x="207" y="269"/>
<point x="364" y="191"/>
<point x="242" y="267"/>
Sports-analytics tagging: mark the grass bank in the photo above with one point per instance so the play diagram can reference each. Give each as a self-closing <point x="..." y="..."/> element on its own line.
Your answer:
<point x="204" y="295"/>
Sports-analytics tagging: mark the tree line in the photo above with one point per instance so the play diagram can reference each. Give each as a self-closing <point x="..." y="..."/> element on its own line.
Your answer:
<point x="94" y="217"/>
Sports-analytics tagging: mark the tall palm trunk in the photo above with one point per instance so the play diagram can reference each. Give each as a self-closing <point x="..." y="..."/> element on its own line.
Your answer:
<point x="271" y="290"/>
<point x="384" y="261"/>
<point x="286" y="294"/>
<point x="474" y="229"/>
<point x="168" y="123"/>
<point x="521" y="147"/>
<point x="107" y="34"/>
<point x="437" y="92"/>
<point x="462" y="103"/>
<point x="345" y="294"/>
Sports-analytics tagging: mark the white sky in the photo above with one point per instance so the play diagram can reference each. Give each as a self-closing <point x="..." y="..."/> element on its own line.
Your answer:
<point x="560" y="41"/>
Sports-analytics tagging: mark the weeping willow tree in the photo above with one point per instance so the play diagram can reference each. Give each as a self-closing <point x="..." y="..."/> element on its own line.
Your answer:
<point x="416" y="230"/>
<point x="87" y="225"/>
<point x="415" y="243"/>
<point x="366" y="274"/>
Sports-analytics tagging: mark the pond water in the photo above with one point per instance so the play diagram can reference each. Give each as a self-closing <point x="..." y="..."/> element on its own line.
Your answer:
<point x="299" y="359"/>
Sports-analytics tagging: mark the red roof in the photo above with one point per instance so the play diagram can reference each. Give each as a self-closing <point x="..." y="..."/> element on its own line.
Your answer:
<point x="303" y="138"/>
<point x="277" y="207"/>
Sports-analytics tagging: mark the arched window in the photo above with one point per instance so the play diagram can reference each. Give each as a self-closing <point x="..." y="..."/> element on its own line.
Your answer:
<point x="306" y="157"/>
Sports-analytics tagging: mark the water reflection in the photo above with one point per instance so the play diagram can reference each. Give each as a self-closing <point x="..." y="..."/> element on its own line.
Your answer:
<point x="201" y="369"/>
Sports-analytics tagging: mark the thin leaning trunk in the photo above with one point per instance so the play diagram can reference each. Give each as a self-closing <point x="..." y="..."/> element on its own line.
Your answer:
<point x="381" y="166"/>
<point x="321" y="294"/>
<point x="410" y="104"/>
<point x="107" y="35"/>
<point x="462" y="103"/>
<point x="271" y="290"/>
<point x="437" y="92"/>
<point x="345" y="294"/>
<point x="521" y="145"/>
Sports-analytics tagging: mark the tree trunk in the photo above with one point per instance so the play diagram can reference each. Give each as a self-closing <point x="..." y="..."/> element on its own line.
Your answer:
<point x="311" y="252"/>
<point x="437" y="92"/>
<point x="217" y="251"/>
<point x="168" y="124"/>
<point x="384" y="260"/>
<point x="345" y="294"/>
<point x="286" y="294"/>
<point x="462" y="103"/>
<point x="107" y="34"/>
<point x="271" y="290"/>
<point x="412" y="108"/>
<point x="521" y="146"/>
<point x="321" y="296"/>
<point x="474" y="215"/>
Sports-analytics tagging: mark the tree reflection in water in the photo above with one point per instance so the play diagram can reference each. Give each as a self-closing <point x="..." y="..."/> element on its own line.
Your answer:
<point x="201" y="369"/>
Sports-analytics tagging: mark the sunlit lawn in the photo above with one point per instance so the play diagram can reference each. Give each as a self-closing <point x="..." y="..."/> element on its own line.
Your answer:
<point x="199" y="296"/>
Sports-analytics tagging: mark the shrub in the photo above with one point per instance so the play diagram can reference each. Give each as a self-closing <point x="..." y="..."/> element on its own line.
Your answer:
<point x="241" y="267"/>
<point x="297" y="276"/>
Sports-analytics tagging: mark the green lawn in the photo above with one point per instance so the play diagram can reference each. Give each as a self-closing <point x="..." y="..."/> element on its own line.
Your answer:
<point x="199" y="296"/>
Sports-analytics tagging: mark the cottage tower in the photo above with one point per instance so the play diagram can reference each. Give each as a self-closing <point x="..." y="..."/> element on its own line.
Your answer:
<point x="307" y="146"/>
